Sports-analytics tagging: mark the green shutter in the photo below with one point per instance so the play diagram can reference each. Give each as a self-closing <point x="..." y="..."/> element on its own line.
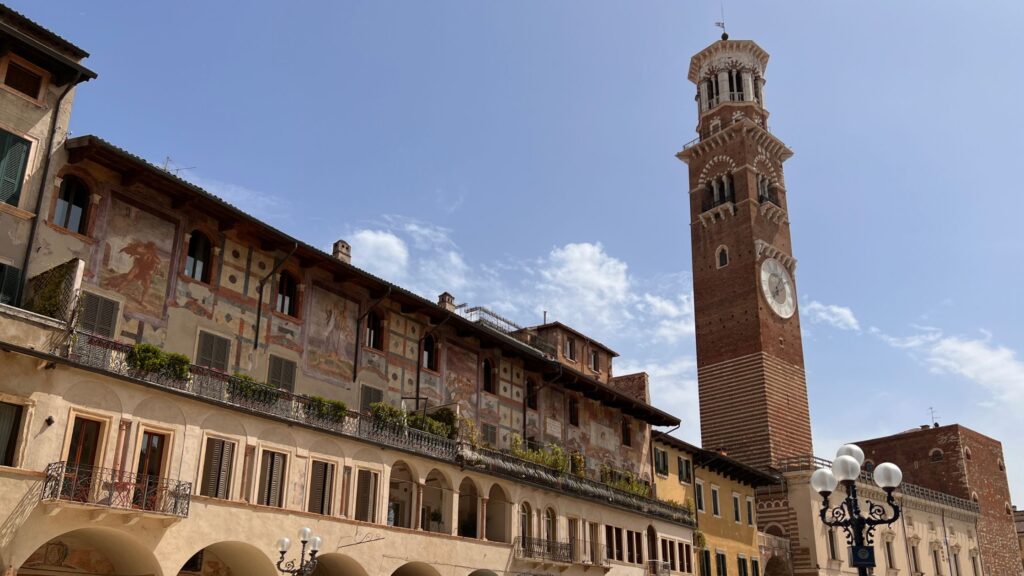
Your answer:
<point x="13" y="159"/>
<point x="281" y="373"/>
<point x="99" y="315"/>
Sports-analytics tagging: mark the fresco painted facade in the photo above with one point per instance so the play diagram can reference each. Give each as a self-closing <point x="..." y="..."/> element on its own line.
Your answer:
<point x="332" y="335"/>
<point x="136" y="257"/>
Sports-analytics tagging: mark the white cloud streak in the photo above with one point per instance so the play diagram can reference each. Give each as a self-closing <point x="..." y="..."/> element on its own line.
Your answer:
<point x="839" y="317"/>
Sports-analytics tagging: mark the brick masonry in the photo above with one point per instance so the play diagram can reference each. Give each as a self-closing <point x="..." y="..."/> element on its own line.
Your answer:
<point x="961" y="462"/>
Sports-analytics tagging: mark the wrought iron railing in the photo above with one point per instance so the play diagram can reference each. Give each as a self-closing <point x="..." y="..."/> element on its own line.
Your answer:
<point x="769" y="198"/>
<point x="800" y="463"/>
<point x="658" y="568"/>
<point x="709" y="204"/>
<point x="211" y="385"/>
<point x="116" y="489"/>
<point x="543" y="550"/>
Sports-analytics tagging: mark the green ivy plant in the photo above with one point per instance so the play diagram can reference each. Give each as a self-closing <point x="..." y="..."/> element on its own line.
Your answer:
<point x="330" y="410"/>
<point x="627" y="482"/>
<point x="243" y="386"/>
<point x="150" y="359"/>
<point x="550" y="455"/>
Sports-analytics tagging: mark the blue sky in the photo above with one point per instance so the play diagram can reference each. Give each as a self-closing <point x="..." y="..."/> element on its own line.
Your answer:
<point x="521" y="156"/>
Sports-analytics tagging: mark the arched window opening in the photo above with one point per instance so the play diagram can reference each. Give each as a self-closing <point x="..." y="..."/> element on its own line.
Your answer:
<point x="374" y="331"/>
<point x="736" y="85"/>
<point x="72" y="204"/>
<point x="711" y="88"/>
<point x="430" y="353"/>
<point x="531" y="394"/>
<point x="1002" y="467"/>
<point x="974" y="497"/>
<point x="723" y="257"/>
<point x="756" y="81"/>
<point x="869" y="465"/>
<point x="935" y="455"/>
<point x="287" y="288"/>
<point x="525" y="521"/>
<point x="488" y="377"/>
<point x="967" y="453"/>
<point x="550" y="525"/>
<point x="197" y="263"/>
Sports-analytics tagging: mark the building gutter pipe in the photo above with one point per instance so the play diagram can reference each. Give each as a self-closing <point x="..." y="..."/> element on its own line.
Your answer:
<point x="47" y="158"/>
<point x="259" y="289"/>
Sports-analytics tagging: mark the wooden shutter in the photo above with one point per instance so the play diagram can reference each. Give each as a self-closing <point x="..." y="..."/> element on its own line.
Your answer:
<point x="272" y="479"/>
<point x="281" y="373"/>
<point x="264" y="487"/>
<point x="221" y="349"/>
<point x="366" y="496"/>
<point x="106" y="321"/>
<point x="99" y="315"/>
<point x="320" y="487"/>
<point x="369" y="396"/>
<point x="13" y="159"/>
<point x="220" y="455"/>
<point x="213" y="351"/>
<point x="10" y="284"/>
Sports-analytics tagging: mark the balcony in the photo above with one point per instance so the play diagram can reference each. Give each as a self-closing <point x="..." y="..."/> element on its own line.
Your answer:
<point x="658" y="568"/>
<point x="544" y="551"/>
<point x="104" y="355"/>
<point x="715" y="203"/>
<point x="116" y="489"/>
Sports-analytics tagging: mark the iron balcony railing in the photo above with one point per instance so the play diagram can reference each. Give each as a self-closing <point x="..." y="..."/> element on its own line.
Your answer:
<point x="715" y="203"/>
<point x="104" y="354"/>
<point x="658" y="568"/>
<point x="543" y="550"/>
<point x="116" y="489"/>
<point x="800" y="463"/>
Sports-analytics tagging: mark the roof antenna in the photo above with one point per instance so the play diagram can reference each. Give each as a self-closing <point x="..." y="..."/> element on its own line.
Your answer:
<point x="933" y="414"/>
<point x="721" y="23"/>
<point x="168" y="162"/>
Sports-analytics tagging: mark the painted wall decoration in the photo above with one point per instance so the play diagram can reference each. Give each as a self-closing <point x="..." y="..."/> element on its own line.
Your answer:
<point x="137" y="257"/>
<point x="461" y="375"/>
<point x="331" y="344"/>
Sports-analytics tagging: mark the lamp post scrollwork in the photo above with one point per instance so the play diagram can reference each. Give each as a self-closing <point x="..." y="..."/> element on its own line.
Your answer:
<point x="848" y="515"/>
<point x="305" y="565"/>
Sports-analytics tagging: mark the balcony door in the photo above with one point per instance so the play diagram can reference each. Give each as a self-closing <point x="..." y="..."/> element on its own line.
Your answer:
<point x="150" y="470"/>
<point x="83" y="452"/>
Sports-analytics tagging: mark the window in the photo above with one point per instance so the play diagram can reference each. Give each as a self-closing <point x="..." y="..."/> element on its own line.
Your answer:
<point x="956" y="564"/>
<point x="573" y="524"/>
<point x="99" y="315"/>
<point x="570" y="348"/>
<point x="550" y="525"/>
<point x="936" y="561"/>
<point x="736" y="85"/>
<point x="574" y="411"/>
<point x="935" y="455"/>
<point x="374" y="331"/>
<point x="613" y="543"/>
<point x="23" y="77"/>
<point x="661" y="461"/>
<point x="750" y="511"/>
<point x="914" y="560"/>
<point x="366" y="496"/>
<point x="430" y="353"/>
<point x="757" y="96"/>
<point x="213" y="351"/>
<point x="10" y="426"/>
<point x="714" y="502"/>
<point x="490" y="434"/>
<point x="72" y="203"/>
<point x="593" y="544"/>
<point x="531" y="395"/>
<point x="755" y="567"/>
<point x="685" y="558"/>
<point x="272" y="479"/>
<point x="627" y="432"/>
<point x="974" y="566"/>
<point x="287" y="288"/>
<point x="197" y="263"/>
<point x="369" y="396"/>
<point x="217" y="466"/>
<point x="712" y="89"/>
<point x="488" y="370"/>
<point x="634" y="547"/>
<point x="741" y="566"/>
<point x="890" y="562"/>
<point x="10" y="284"/>
<point x="720" y="563"/>
<point x="281" y="373"/>
<point x="699" y="496"/>
<point x="723" y="257"/>
<point x="321" y="487"/>
<point x="525" y="521"/>
<point x="736" y="514"/>
<point x="685" y="470"/>
<point x="833" y="553"/>
<point x="595" y="360"/>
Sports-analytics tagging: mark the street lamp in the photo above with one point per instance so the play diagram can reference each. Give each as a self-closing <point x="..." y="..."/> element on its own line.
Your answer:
<point x="305" y="566"/>
<point x="859" y="529"/>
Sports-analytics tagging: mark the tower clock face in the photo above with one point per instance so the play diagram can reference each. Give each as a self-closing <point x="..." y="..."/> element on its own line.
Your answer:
<point x="777" y="287"/>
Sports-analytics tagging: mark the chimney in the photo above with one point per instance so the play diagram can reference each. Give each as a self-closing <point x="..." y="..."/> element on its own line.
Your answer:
<point x="446" y="301"/>
<point x="343" y="251"/>
<point x="925" y="426"/>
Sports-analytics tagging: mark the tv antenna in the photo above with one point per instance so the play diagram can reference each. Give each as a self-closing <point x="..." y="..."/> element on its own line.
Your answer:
<point x="168" y="162"/>
<point x="721" y="23"/>
<point x="934" y="415"/>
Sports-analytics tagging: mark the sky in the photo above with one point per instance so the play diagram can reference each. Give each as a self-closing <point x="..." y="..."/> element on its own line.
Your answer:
<point x="520" y="155"/>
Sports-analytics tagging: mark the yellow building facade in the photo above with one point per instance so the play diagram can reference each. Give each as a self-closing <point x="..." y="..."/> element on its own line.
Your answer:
<point x="721" y="492"/>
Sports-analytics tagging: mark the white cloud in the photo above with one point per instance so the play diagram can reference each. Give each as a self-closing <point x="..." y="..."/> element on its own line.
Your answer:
<point x="674" y="317"/>
<point x="380" y="252"/>
<point x="265" y="206"/>
<point x="840" y="317"/>
<point x="582" y="285"/>
<point x="673" y="385"/>
<point x="994" y="367"/>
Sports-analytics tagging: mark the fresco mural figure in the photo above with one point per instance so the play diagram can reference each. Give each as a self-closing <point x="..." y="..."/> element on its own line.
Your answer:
<point x="145" y="261"/>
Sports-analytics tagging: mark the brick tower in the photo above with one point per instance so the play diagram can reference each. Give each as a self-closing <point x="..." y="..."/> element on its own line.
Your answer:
<point x="753" y="394"/>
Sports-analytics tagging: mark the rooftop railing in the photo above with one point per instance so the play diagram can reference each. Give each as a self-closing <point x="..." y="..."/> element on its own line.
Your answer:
<point x="101" y="353"/>
<point x="117" y="489"/>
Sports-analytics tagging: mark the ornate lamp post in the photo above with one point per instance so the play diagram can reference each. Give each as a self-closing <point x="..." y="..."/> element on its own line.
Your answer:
<point x="305" y="566"/>
<point x="847" y="515"/>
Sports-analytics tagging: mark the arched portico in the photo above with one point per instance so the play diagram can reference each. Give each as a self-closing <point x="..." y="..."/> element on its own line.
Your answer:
<point x="498" y="518"/>
<point x="468" y="509"/>
<point x="402" y="494"/>
<point x="437" y="497"/>
<point x="229" y="558"/>
<point x="91" y="551"/>
<point x="416" y="569"/>
<point x="334" y="564"/>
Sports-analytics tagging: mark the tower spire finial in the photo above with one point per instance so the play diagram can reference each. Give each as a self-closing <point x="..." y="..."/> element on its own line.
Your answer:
<point x="721" y="23"/>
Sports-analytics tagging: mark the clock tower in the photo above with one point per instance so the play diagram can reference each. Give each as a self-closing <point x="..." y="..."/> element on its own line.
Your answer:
<point x="750" y="367"/>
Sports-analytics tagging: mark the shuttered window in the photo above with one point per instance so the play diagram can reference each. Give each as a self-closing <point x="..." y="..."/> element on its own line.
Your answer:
<point x="321" y="487"/>
<point x="213" y="351"/>
<point x="13" y="160"/>
<point x="685" y="470"/>
<point x="661" y="462"/>
<point x="220" y="457"/>
<point x="20" y="78"/>
<point x="72" y="204"/>
<point x="366" y="495"/>
<point x="99" y="315"/>
<point x="10" y="284"/>
<point x="271" y="487"/>
<point x="10" y="425"/>
<point x="281" y="373"/>
<point x="369" y="396"/>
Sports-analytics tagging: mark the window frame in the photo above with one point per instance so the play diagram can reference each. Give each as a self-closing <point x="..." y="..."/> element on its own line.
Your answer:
<point x="570" y="349"/>
<point x="661" y="462"/>
<point x="626" y="432"/>
<point x="698" y="495"/>
<point x="44" y="81"/>
<point x="19" y="439"/>
<point x="374" y="331"/>
<point x="196" y="356"/>
<point x="487" y="380"/>
<point x="574" y="411"/>
<point x="595" y="360"/>
<point x="290" y="300"/>
<point x="737" y="514"/>
<point x="59" y="198"/>
<point x="232" y="476"/>
<point x="716" y="504"/>
<point x="261" y="451"/>
<point x="430" y="353"/>
<point x="374" y="497"/>
<point x="686" y="478"/>
<point x="295" y="372"/>
<point x="330" y="491"/>
<point x="206" y="272"/>
<point x="751" y="511"/>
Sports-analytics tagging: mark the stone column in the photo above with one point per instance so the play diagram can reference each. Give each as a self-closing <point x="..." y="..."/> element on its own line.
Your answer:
<point x="417" y="509"/>
<point x="453" y="510"/>
<point x="482" y="524"/>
